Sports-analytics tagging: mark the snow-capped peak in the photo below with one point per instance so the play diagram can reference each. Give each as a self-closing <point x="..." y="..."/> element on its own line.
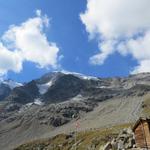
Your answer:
<point x="80" y="75"/>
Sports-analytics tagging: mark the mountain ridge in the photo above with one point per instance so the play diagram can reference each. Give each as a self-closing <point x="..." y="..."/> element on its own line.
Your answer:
<point x="51" y="105"/>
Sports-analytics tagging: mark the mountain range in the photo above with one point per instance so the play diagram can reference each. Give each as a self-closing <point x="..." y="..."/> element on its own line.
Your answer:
<point x="52" y="104"/>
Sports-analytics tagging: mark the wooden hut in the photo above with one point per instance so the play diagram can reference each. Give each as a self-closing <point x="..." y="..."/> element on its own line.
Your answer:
<point x="141" y="131"/>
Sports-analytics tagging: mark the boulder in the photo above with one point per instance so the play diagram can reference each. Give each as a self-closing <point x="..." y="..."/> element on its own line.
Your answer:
<point x="125" y="140"/>
<point x="108" y="146"/>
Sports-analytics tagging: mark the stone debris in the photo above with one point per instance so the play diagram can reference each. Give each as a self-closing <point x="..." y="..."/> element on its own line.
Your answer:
<point x="124" y="141"/>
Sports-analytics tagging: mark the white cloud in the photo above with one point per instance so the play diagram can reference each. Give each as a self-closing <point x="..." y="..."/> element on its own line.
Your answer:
<point x="120" y="25"/>
<point x="28" y="42"/>
<point x="106" y="49"/>
<point x="9" y="60"/>
<point x="38" y="12"/>
<point x="142" y="67"/>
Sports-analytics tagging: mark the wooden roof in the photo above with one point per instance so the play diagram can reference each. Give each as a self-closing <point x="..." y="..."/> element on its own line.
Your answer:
<point x="140" y="120"/>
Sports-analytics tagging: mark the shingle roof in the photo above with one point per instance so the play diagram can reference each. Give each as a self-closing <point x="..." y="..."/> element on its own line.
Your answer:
<point x="139" y="120"/>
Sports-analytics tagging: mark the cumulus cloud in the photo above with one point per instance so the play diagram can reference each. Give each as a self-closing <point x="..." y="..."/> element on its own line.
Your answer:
<point x="120" y="25"/>
<point x="28" y="42"/>
<point x="9" y="60"/>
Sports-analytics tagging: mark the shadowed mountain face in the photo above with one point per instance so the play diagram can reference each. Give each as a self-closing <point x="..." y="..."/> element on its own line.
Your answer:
<point x="4" y="91"/>
<point x="24" y="94"/>
<point x="49" y="105"/>
<point x="6" y="87"/>
<point x="65" y="87"/>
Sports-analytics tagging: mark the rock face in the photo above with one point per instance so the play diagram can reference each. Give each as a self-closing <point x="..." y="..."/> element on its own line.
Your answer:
<point x="52" y="103"/>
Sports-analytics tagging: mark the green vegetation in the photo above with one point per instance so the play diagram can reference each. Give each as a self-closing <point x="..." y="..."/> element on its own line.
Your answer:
<point x="85" y="140"/>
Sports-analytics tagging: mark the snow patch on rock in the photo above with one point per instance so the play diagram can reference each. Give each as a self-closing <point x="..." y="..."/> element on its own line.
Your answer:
<point x="80" y="75"/>
<point x="38" y="101"/>
<point x="27" y="106"/>
<point x="44" y="87"/>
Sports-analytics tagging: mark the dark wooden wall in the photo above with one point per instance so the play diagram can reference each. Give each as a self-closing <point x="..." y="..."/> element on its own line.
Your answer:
<point x="142" y="135"/>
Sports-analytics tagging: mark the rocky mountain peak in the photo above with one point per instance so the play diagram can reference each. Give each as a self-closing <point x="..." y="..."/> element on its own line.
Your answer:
<point x="57" y="87"/>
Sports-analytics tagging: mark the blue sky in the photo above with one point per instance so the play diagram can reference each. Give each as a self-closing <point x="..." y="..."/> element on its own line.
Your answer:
<point x="69" y="32"/>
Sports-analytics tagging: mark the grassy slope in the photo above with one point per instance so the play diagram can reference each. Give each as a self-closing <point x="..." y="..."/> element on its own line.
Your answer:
<point x="85" y="140"/>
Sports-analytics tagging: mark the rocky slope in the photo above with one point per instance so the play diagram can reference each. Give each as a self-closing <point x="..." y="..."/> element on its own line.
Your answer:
<point x="51" y="105"/>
